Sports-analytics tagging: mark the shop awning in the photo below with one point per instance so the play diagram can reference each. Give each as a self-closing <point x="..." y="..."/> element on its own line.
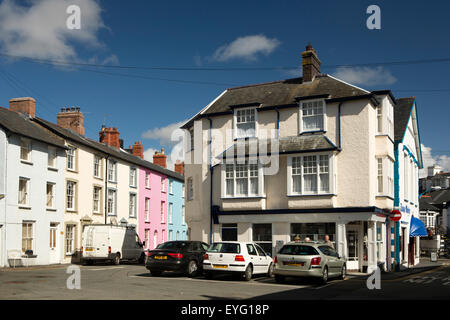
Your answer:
<point x="417" y="228"/>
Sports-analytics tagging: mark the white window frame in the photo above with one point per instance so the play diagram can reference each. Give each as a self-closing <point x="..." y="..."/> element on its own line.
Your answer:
<point x="112" y="170"/>
<point x="170" y="235"/>
<point x="260" y="179"/>
<point x="97" y="166"/>
<point x="25" y="148"/>
<point x="73" y="195"/>
<point x="26" y="192"/>
<point x="380" y="119"/>
<point x="163" y="185"/>
<point x="111" y="208"/>
<point x="147" y="180"/>
<point x="387" y="176"/>
<point x="235" y="122"/>
<point x="170" y="186"/>
<point x="132" y="205"/>
<point x="170" y="213"/>
<point x="183" y="215"/>
<point x="52" y="196"/>
<point x="98" y="200"/>
<point x="69" y="243"/>
<point x="71" y="158"/>
<point x="27" y="236"/>
<point x="133" y="177"/>
<point x="52" y="157"/>
<point x="324" y="118"/>
<point x="162" y="211"/>
<point x="331" y="174"/>
<point x="147" y="209"/>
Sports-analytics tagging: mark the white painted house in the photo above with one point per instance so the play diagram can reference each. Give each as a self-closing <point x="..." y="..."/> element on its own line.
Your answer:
<point x="329" y="168"/>
<point x="32" y="163"/>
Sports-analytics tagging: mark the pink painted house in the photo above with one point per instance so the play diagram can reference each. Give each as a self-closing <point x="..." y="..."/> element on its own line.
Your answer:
<point x="153" y="205"/>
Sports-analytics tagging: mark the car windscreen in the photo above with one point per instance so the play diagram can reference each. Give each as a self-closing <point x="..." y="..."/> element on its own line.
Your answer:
<point x="225" y="247"/>
<point x="172" y="245"/>
<point x="298" y="250"/>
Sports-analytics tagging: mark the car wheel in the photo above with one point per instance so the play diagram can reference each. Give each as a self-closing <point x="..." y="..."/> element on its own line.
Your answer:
<point x="208" y="275"/>
<point x="248" y="273"/>
<point x="155" y="273"/>
<point x="343" y="272"/>
<point x="325" y="275"/>
<point x="279" y="278"/>
<point x="116" y="260"/>
<point x="192" y="268"/>
<point x="270" y="271"/>
<point x="141" y="258"/>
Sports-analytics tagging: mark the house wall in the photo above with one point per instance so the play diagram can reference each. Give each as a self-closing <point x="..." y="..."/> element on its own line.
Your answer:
<point x="3" y="152"/>
<point x="177" y="199"/>
<point x="35" y="211"/>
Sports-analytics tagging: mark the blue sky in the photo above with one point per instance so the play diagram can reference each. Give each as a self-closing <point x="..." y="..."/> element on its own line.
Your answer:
<point x="211" y="34"/>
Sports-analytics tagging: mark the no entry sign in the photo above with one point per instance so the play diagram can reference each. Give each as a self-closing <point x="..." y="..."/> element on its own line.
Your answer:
<point x="396" y="215"/>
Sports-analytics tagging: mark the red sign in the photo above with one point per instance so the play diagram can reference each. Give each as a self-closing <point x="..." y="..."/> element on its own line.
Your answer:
<point x="396" y="215"/>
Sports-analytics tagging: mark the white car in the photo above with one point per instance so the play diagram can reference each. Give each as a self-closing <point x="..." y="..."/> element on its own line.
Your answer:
<point x="243" y="258"/>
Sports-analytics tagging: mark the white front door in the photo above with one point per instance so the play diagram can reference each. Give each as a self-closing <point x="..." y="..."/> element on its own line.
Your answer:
<point x="54" y="244"/>
<point x="352" y="247"/>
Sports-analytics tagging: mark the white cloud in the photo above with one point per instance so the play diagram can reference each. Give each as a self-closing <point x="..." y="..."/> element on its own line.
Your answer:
<point x="428" y="160"/>
<point x="39" y="29"/>
<point x="365" y="75"/>
<point x="246" y="48"/>
<point x="163" y="134"/>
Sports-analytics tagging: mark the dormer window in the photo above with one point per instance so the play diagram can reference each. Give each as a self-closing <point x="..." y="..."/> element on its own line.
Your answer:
<point x="312" y="116"/>
<point x="245" y="123"/>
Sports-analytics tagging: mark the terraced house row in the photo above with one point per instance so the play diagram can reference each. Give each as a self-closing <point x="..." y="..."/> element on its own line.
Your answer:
<point x="54" y="180"/>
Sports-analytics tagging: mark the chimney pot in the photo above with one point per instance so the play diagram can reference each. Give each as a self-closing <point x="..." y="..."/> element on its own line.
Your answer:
<point x="71" y="120"/>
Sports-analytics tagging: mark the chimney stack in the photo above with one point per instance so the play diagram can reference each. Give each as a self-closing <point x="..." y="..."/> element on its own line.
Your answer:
<point x="110" y="136"/>
<point x="138" y="150"/>
<point x="71" y="118"/>
<point x="179" y="167"/>
<point x="25" y="105"/>
<point x="159" y="158"/>
<point x="310" y="64"/>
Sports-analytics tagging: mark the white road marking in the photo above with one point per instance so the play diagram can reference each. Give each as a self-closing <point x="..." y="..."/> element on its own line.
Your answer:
<point x="107" y="268"/>
<point x="231" y="282"/>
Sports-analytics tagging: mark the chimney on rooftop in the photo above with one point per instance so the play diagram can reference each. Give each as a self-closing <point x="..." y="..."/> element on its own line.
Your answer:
<point x="138" y="150"/>
<point x="71" y="118"/>
<point x="25" y="105"/>
<point x="179" y="167"/>
<point x="110" y="136"/>
<point x="310" y="64"/>
<point x="159" y="158"/>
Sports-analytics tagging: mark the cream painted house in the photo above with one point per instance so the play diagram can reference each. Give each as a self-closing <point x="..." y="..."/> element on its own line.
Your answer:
<point x="306" y="157"/>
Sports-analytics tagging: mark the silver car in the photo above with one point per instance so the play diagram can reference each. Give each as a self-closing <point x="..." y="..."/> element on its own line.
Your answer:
<point x="308" y="259"/>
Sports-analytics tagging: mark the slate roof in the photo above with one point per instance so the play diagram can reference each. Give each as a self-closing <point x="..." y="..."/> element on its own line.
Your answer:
<point x="21" y="124"/>
<point x="402" y="111"/>
<point x="280" y="93"/>
<point x="437" y="197"/>
<point x="292" y="144"/>
<point x="105" y="149"/>
<point x="425" y="205"/>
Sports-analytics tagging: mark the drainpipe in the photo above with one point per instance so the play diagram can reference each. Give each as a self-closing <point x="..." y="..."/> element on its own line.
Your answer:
<point x="106" y="188"/>
<point x="211" y="179"/>
<point x="278" y="122"/>
<point x="339" y="125"/>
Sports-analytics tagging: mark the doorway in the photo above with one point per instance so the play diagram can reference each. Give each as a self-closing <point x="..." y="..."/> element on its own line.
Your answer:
<point x="411" y="251"/>
<point x="352" y="247"/>
<point x="54" y="252"/>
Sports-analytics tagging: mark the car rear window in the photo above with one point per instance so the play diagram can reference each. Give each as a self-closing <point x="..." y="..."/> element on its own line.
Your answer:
<point x="298" y="250"/>
<point x="225" y="247"/>
<point x="172" y="245"/>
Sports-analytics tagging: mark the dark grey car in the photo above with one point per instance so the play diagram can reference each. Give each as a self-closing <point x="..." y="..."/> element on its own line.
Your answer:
<point x="308" y="259"/>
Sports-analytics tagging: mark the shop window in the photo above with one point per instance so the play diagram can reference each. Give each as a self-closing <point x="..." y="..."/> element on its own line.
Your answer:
<point x="229" y="232"/>
<point x="262" y="235"/>
<point x="313" y="231"/>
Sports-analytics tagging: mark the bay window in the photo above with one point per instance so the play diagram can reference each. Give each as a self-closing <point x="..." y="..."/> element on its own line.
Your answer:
<point x="245" y="122"/>
<point x="312" y="116"/>
<point x="310" y="174"/>
<point x="242" y="179"/>
<point x="385" y="177"/>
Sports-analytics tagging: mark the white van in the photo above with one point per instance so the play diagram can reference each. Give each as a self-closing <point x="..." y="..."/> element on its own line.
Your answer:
<point x="110" y="242"/>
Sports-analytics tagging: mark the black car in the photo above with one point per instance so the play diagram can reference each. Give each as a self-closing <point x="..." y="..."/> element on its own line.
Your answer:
<point x="181" y="256"/>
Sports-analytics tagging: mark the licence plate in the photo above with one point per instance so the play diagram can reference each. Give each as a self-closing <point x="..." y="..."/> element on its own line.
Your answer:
<point x="89" y="249"/>
<point x="295" y="264"/>
<point x="161" y="257"/>
<point x="220" y="266"/>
